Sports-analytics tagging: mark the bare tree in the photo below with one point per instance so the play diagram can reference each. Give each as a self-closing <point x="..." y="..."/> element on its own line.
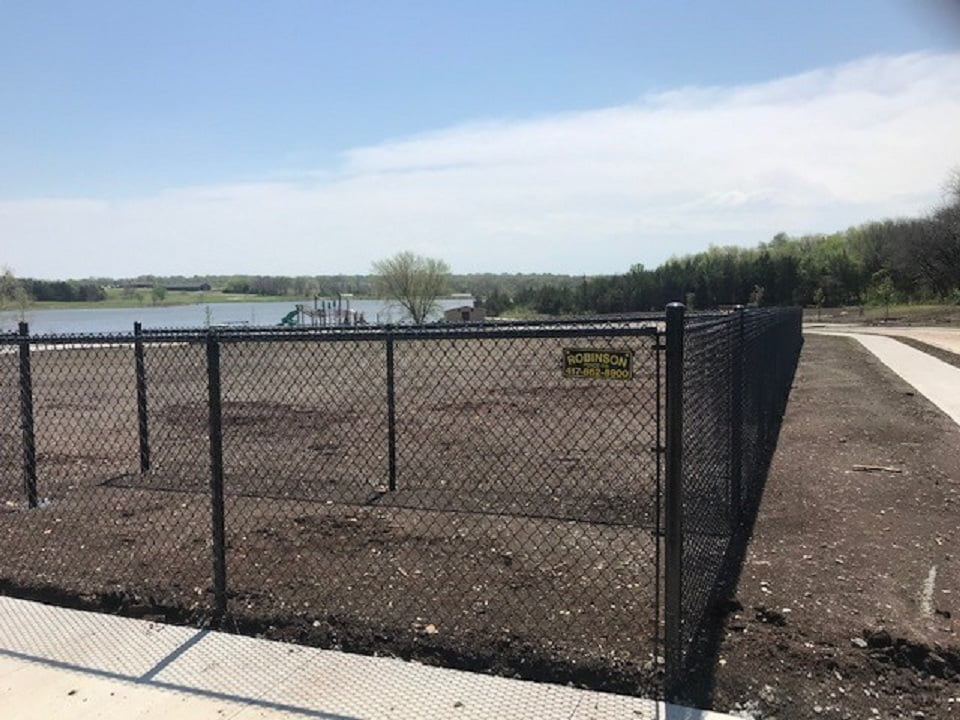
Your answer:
<point x="412" y="281"/>
<point x="12" y="292"/>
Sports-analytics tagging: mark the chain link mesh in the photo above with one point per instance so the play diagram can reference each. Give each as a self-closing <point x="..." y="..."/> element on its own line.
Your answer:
<point x="95" y="531"/>
<point x="737" y="372"/>
<point x="442" y="493"/>
<point x="11" y="450"/>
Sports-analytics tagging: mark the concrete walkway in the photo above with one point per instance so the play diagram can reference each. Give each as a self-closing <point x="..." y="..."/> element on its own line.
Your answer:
<point x="936" y="380"/>
<point x="60" y="663"/>
<point x="945" y="338"/>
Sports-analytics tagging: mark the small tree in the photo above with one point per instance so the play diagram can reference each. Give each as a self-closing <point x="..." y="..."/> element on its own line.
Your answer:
<point x="882" y="291"/>
<point x="756" y="295"/>
<point x="159" y="294"/>
<point x="13" y="293"/>
<point x="818" y="298"/>
<point x="412" y="281"/>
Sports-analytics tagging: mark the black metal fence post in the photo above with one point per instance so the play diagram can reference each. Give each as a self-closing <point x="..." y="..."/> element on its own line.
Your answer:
<point x="673" y="520"/>
<point x="141" y="398"/>
<point x="391" y="417"/>
<point x="26" y="418"/>
<point x="216" y="476"/>
<point x="736" y="422"/>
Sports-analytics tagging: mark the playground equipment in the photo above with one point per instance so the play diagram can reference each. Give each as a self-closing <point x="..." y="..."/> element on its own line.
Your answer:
<point x="325" y="312"/>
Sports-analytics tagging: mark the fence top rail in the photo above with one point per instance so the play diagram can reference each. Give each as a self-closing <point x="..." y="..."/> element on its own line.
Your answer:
<point x="629" y="324"/>
<point x="379" y="333"/>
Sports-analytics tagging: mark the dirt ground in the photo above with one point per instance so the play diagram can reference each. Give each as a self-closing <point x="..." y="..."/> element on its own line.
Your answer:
<point x="879" y="316"/>
<point x="848" y="605"/>
<point x="520" y="539"/>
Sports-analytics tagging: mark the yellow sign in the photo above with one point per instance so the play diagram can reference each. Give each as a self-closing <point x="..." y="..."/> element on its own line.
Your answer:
<point x="599" y="364"/>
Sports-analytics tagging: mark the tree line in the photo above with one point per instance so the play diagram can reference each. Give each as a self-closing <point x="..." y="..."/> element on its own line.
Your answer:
<point x="904" y="260"/>
<point x="20" y="290"/>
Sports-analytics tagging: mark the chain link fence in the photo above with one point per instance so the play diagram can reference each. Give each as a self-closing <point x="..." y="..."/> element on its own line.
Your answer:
<point x="455" y="494"/>
<point x="733" y="374"/>
<point x="488" y="497"/>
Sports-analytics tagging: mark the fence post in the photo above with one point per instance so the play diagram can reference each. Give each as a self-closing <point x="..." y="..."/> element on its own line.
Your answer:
<point x="26" y="418"/>
<point x="216" y="476"/>
<point x="141" y="398"/>
<point x="736" y="423"/>
<point x="391" y="417"/>
<point x="673" y="520"/>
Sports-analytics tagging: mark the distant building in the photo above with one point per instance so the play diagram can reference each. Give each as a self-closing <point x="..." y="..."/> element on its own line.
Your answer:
<point x="464" y="314"/>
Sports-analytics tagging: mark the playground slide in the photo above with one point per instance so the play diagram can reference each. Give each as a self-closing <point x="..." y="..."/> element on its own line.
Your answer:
<point x="290" y="318"/>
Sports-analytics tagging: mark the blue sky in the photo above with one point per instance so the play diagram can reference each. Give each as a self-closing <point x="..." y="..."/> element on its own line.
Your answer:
<point x="315" y="137"/>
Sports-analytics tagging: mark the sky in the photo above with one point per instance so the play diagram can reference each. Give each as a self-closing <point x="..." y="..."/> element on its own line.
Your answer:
<point x="315" y="137"/>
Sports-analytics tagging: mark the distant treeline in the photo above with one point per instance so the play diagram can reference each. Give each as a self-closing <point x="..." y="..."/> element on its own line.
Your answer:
<point x="306" y="286"/>
<point x="63" y="290"/>
<point x="908" y="260"/>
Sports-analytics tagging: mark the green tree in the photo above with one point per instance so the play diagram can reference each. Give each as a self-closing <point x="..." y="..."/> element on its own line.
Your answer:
<point x="497" y="303"/>
<point x="818" y="297"/>
<point x="412" y="281"/>
<point x="882" y="290"/>
<point x="159" y="292"/>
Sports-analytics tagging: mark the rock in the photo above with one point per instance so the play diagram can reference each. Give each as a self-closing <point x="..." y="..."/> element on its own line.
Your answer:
<point x="858" y="642"/>
<point x="771" y="617"/>
<point x="935" y="665"/>
<point x="768" y="694"/>
<point x="878" y="638"/>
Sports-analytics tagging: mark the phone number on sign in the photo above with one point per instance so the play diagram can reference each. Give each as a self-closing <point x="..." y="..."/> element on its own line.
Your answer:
<point x="595" y="372"/>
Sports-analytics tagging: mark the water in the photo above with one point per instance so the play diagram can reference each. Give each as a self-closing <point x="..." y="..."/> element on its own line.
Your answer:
<point x="112" y="320"/>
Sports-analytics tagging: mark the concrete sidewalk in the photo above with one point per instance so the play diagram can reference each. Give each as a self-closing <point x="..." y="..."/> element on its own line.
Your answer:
<point x="60" y="663"/>
<point x="936" y="380"/>
<point x="945" y="338"/>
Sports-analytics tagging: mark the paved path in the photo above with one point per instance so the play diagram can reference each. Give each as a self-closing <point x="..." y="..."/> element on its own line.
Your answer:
<point x="945" y="338"/>
<point x="59" y="663"/>
<point x="936" y="380"/>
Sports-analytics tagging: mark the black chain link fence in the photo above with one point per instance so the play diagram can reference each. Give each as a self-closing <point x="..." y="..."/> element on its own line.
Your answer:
<point x="69" y="435"/>
<point x="486" y="497"/>
<point x="444" y="493"/>
<point x="737" y="371"/>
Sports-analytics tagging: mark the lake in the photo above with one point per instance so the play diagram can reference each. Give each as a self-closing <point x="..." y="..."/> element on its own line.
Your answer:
<point x="113" y="320"/>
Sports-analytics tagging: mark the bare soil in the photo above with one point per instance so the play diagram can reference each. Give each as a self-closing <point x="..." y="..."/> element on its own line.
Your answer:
<point x="848" y="605"/>
<point x="520" y="536"/>
<point x="521" y="539"/>
<point x="903" y="315"/>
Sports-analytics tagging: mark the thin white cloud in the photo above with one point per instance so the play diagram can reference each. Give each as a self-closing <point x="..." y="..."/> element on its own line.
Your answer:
<point x="580" y="192"/>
